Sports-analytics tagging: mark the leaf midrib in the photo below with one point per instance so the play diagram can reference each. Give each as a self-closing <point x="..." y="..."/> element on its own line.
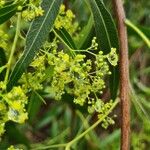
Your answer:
<point x="66" y="39"/>
<point x="72" y="46"/>
<point x="34" y="39"/>
<point x="8" y="12"/>
<point x="104" y="25"/>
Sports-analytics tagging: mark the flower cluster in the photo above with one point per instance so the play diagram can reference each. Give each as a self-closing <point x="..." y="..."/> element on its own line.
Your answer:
<point x="36" y="75"/>
<point x="12" y="106"/>
<point x="69" y="73"/>
<point x="13" y="148"/>
<point x="65" y="19"/>
<point x="30" y="8"/>
<point x="33" y="10"/>
<point x="3" y="39"/>
<point x="102" y="108"/>
<point x="112" y="57"/>
<point x="94" y="44"/>
<point x="2" y="3"/>
<point x="75" y="74"/>
<point x="32" y="80"/>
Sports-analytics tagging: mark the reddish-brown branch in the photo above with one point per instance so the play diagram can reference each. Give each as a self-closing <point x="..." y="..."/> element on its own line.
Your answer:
<point x="124" y="76"/>
<point x="66" y="3"/>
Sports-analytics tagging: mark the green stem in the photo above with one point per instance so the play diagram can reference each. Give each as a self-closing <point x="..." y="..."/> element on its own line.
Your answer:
<point x="86" y="125"/>
<point x="5" y="99"/>
<point x="94" y="139"/>
<point x="13" y="48"/>
<point x="86" y="52"/>
<point x="92" y="127"/>
<point x="72" y="51"/>
<point x="138" y="31"/>
<point x="52" y="146"/>
<point x="82" y="127"/>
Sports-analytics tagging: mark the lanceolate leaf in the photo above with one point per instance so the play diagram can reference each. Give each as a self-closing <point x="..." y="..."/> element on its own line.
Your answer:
<point x="2" y="57"/>
<point x="65" y="37"/>
<point x="104" y="26"/>
<point x="7" y="12"/>
<point x="3" y="62"/>
<point x="85" y="33"/>
<point x="106" y="36"/>
<point x="34" y="106"/>
<point x="36" y="36"/>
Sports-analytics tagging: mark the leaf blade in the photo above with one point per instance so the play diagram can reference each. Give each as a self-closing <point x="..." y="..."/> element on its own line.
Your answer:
<point x="107" y="37"/>
<point x="65" y="36"/>
<point x="37" y="34"/>
<point x="103" y="39"/>
<point x="7" y="12"/>
<point x="3" y="62"/>
<point x="85" y="33"/>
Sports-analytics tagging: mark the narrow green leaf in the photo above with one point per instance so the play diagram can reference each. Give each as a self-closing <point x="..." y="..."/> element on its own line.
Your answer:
<point x="138" y="31"/>
<point x="36" y="36"/>
<point x="49" y="116"/>
<point x="142" y="87"/>
<point x="65" y="37"/>
<point x="85" y="32"/>
<point x="2" y="68"/>
<point x="110" y="139"/>
<point x="2" y="57"/>
<point x="87" y="42"/>
<point x="34" y="107"/>
<point x="16" y="135"/>
<point x="7" y="12"/>
<point x="3" y="62"/>
<point x="104" y="26"/>
<point x="142" y="112"/>
<point x="106" y="36"/>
